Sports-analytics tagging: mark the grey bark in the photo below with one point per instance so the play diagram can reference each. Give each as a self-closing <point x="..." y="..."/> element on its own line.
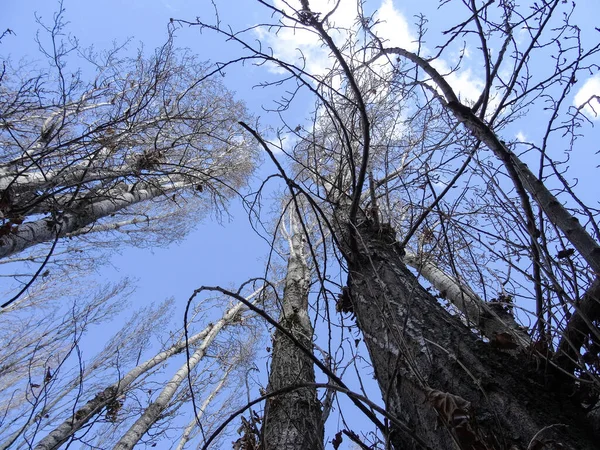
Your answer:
<point x="433" y="370"/>
<point x="293" y="421"/>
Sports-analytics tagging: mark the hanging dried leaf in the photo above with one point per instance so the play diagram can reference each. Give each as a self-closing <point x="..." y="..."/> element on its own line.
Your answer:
<point x="337" y="440"/>
<point x="455" y="413"/>
<point x="504" y="341"/>
<point x="453" y="409"/>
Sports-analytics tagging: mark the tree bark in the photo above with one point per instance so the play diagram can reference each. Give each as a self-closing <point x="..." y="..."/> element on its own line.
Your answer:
<point x="491" y="321"/>
<point x="433" y="370"/>
<point x="293" y="421"/>
<point x="48" y="229"/>
<point x="579" y="327"/>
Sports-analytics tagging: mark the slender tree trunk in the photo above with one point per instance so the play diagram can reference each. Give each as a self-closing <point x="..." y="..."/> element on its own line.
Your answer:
<point x="491" y="321"/>
<point x="93" y="407"/>
<point x="152" y="413"/>
<point x="46" y="230"/>
<point x="293" y="421"/>
<point x="432" y="370"/>
<point x="185" y="437"/>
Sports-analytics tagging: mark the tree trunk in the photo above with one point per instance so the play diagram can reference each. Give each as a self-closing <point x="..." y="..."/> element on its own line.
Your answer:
<point x="579" y="328"/>
<point x="93" y="407"/>
<point x="432" y="370"/>
<point x="47" y="229"/>
<point x="153" y="412"/>
<point x="187" y="433"/>
<point x="489" y="318"/>
<point x="293" y="420"/>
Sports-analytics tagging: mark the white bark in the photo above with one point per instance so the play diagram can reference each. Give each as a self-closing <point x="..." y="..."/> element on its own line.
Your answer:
<point x="25" y="180"/>
<point x="190" y="426"/>
<point x="154" y="410"/>
<point x="60" y="434"/>
<point x="476" y="311"/>
<point x="46" y="230"/>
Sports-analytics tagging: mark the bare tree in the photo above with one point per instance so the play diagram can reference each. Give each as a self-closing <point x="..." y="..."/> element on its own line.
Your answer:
<point x="109" y="400"/>
<point x="140" y="141"/>
<point x="500" y="232"/>
<point x="42" y="354"/>
<point x="293" y="420"/>
<point x="490" y="340"/>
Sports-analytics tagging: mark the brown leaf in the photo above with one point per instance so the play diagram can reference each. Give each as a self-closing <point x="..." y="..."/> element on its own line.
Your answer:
<point x="48" y="376"/>
<point x="454" y="410"/>
<point x="337" y="440"/>
<point x="504" y="341"/>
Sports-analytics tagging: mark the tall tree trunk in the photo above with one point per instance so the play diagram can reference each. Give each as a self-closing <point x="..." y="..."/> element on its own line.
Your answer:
<point x="293" y="421"/>
<point x="432" y="370"/>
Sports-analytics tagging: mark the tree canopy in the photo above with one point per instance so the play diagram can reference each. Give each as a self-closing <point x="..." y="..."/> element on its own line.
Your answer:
<point x="430" y="234"/>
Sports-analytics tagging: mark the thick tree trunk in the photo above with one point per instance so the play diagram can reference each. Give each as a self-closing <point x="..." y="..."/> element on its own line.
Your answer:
<point x="293" y="421"/>
<point x="434" y="374"/>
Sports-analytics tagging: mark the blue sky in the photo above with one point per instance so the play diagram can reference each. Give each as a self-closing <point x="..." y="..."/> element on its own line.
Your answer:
<point x="182" y="267"/>
<point x="230" y="252"/>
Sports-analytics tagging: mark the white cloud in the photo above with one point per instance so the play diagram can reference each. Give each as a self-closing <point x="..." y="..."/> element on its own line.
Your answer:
<point x="393" y="27"/>
<point x="589" y="89"/>
<point x="521" y="136"/>
<point x="464" y="84"/>
<point x="294" y="43"/>
<point x="291" y="44"/>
